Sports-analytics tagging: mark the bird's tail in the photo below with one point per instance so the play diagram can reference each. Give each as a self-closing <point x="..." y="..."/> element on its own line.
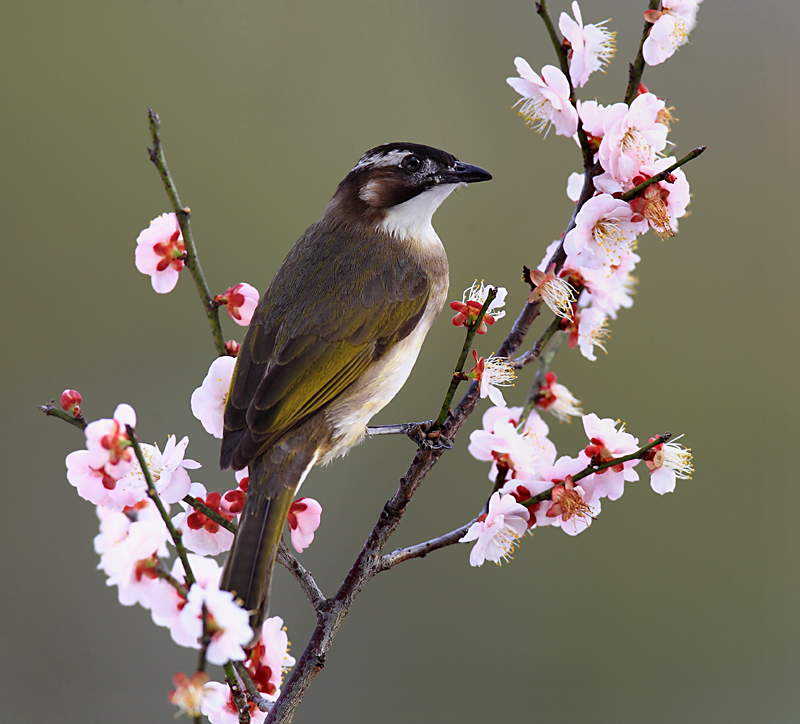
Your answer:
<point x="274" y="479"/>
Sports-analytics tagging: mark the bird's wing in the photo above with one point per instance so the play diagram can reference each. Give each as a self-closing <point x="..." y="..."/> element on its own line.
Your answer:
<point x="325" y="319"/>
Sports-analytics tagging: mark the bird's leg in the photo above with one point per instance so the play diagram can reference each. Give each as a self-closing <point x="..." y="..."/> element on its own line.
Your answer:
<point x="425" y="434"/>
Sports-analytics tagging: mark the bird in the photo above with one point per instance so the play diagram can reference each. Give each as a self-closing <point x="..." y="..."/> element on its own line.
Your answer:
<point x="332" y="341"/>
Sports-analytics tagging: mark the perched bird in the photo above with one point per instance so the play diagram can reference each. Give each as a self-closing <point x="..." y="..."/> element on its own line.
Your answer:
<point x="333" y="340"/>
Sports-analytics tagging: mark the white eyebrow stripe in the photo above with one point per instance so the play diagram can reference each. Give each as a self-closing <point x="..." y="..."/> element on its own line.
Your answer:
<point x="380" y="160"/>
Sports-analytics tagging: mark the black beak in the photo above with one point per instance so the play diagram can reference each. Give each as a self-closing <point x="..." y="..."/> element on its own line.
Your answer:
<point x="465" y="173"/>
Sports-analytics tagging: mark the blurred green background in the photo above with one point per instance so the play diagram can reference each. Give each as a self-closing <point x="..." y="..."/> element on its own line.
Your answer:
<point x="674" y="609"/>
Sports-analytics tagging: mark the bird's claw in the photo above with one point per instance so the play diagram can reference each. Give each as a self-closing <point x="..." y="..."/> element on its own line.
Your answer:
<point x="429" y="437"/>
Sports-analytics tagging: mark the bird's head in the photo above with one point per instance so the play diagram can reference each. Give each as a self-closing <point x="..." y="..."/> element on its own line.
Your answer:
<point x="399" y="186"/>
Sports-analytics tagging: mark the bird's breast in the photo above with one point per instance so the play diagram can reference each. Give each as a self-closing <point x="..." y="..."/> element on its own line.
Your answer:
<point x="350" y="413"/>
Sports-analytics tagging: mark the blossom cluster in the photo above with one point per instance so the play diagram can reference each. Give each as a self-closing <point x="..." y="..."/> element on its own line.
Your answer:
<point x="535" y="487"/>
<point x="629" y="142"/>
<point x="136" y="534"/>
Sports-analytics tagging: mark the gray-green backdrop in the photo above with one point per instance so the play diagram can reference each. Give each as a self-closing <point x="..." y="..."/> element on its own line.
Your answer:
<point x="675" y="609"/>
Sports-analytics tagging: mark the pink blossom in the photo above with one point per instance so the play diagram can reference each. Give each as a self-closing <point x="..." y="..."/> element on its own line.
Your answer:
<point x="201" y="534"/>
<point x="108" y="444"/>
<point x="218" y="706"/>
<point x="545" y="99"/>
<point x="497" y="531"/>
<point x="492" y="374"/>
<point x="606" y="442"/>
<point x="189" y="693"/>
<point x="603" y="233"/>
<point x="472" y="301"/>
<point x="228" y="624"/>
<point x="671" y="27"/>
<point x="166" y="603"/>
<point x="667" y="462"/>
<point x="501" y="442"/>
<point x="557" y="399"/>
<point x="208" y="400"/>
<point x="304" y="516"/>
<point x="129" y="550"/>
<point x="588" y="330"/>
<point x="632" y="136"/>
<point x="557" y="293"/>
<point x="610" y="288"/>
<point x="232" y="502"/>
<point x="240" y="301"/>
<point x="70" y="401"/>
<point x="269" y="657"/>
<point x="160" y="252"/>
<point x="592" y="45"/>
<point x="661" y="204"/>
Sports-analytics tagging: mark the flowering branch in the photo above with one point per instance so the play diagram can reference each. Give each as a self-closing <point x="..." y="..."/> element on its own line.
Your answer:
<point x="262" y="703"/>
<point x="183" y="213"/>
<point x="153" y="495"/>
<point x="228" y="525"/>
<point x="561" y="51"/>
<point x="239" y="699"/>
<point x="457" y="378"/>
<point x="661" y="176"/>
<point x="637" y="67"/>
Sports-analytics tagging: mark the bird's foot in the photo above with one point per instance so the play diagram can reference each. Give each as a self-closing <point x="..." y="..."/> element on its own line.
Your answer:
<point x="429" y="437"/>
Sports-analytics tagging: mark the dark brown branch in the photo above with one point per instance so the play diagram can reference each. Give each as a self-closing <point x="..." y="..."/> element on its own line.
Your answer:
<point x="313" y="593"/>
<point x="636" y="68"/>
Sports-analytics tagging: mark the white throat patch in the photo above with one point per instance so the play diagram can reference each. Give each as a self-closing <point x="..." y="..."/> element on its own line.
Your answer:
<point x="411" y="220"/>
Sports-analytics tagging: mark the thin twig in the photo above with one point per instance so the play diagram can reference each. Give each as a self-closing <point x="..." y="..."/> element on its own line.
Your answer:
<point x="472" y="330"/>
<point x="52" y="411"/>
<point x="255" y="696"/>
<point x="637" y="67"/>
<point x="313" y="593"/>
<point x="153" y="494"/>
<point x="661" y="175"/>
<point x="183" y="213"/>
<point x="193" y="502"/>
<point x="420" y="550"/>
<point x="239" y="699"/>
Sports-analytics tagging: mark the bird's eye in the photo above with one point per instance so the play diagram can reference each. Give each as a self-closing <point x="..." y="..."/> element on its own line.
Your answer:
<point x="412" y="163"/>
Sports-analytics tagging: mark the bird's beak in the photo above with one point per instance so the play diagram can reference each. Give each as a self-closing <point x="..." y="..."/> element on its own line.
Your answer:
<point x="465" y="173"/>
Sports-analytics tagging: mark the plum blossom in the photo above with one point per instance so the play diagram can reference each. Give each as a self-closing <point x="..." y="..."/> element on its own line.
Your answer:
<point x="603" y="233"/>
<point x="189" y="693"/>
<point x="232" y="501"/>
<point x="502" y="443"/>
<point x="128" y="545"/>
<point x="671" y="27"/>
<point x="472" y="302"/>
<point x="545" y="99"/>
<point x="240" y="301"/>
<point x="606" y="442"/>
<point x="269" y="657"/>
<point x="228" y="623"/>
<point x="109" y="447"/>
<point x="611" y="288"/>
<point x="166" y="603"/>
<point x="160" y="252"/>
<point x="201" y="534"/>
<point x="208" y="400"/>
<point x="70" y="402"/>
<point x="588" y="330"/>
<point x="493" y="373"/>
<point x="303" y="518"/>
<point x="218" y="706"/>
<point x="632" y="136"/>
<point x="667" y="462"/>
<point x="557" y="293"/>
<point x="497" y="531"/>
<point x="661" y="204"/>
<point x="557" y="399"/>
<point x="592" y="45"/>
